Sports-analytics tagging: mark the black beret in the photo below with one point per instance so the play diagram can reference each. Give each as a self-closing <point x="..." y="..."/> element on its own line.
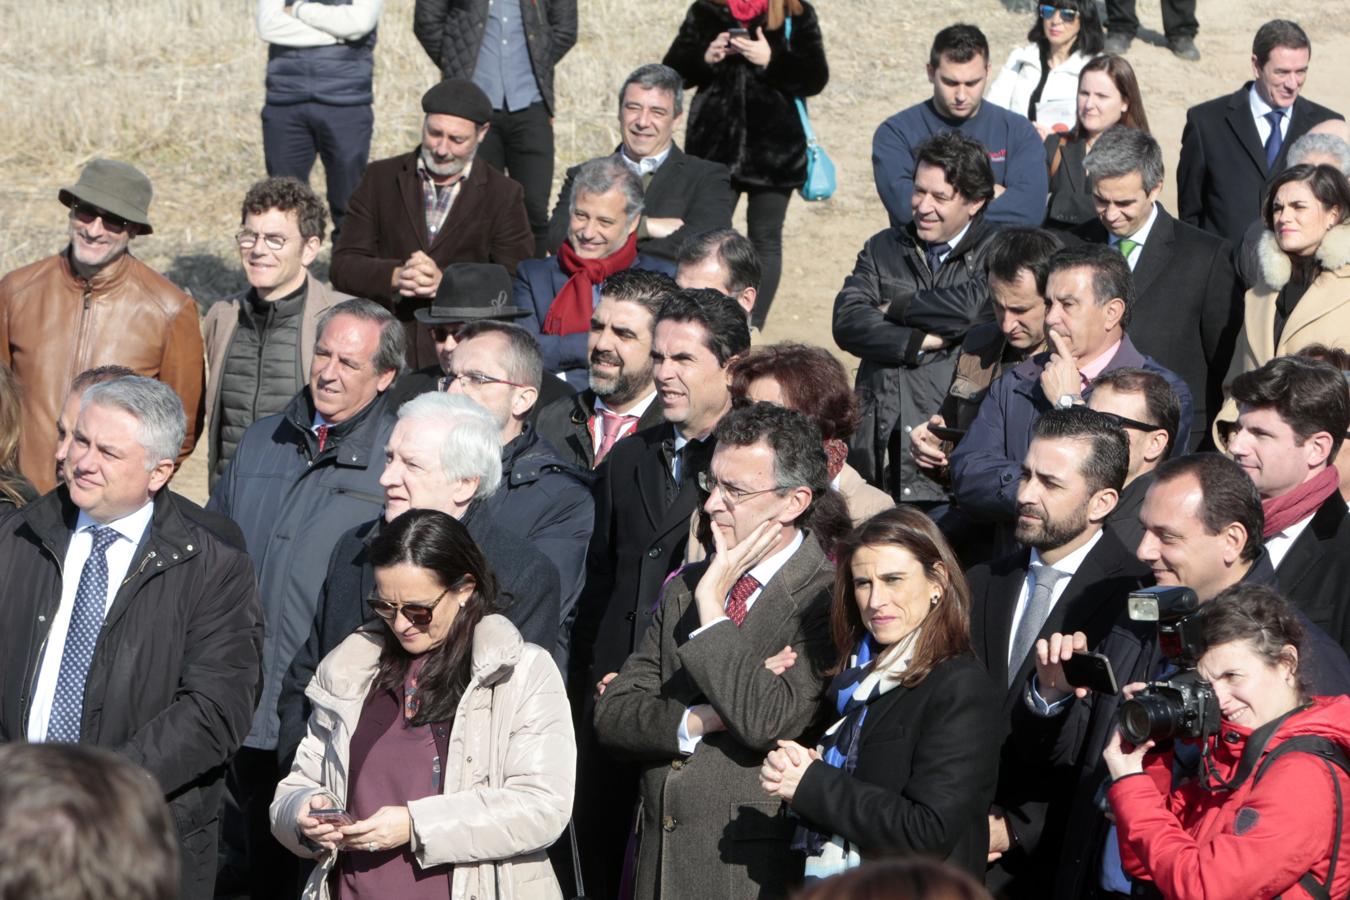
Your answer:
<point x="458" y="97"/>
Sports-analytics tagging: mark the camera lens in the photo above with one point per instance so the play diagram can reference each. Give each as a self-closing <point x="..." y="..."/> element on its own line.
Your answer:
<point x="1150" y="716"/>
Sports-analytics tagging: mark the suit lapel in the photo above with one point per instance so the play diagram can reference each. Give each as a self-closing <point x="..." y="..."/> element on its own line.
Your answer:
<point x="651" y="476"/>
<point x="1308" y="547"/>
<point x="777" y="602"/>
<point x="414" y="202"/>
<point x="1000" y="603"/>
<point x="579" y="419"/>
<point x="463" y="213"/>
<point x="1156" y="254"/>
<point x="1239" y="119"/>
<point x="1329" y="293"/>
<point x="668" y="174"/>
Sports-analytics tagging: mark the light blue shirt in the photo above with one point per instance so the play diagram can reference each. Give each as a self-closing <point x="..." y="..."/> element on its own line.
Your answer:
<point x="503" y="69"/>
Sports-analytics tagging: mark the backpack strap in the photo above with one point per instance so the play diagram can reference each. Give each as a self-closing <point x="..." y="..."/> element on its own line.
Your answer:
<point x="1333" y="756"/>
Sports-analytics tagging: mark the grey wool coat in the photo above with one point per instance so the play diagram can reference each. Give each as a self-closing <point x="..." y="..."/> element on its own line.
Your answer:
<point x="706" y="827"/>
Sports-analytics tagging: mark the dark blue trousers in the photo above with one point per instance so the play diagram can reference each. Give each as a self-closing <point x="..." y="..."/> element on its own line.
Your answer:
<point x="339" y="135"/>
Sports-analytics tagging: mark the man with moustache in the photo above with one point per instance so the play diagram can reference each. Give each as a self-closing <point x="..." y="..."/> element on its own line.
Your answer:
<point x="1073" y="575"/>
<point x="684" y="196"/>
<point x="94" y="304"/>
<point x="416" y="213"/>
<point x="621" y="398"/>
<point x="259" y="344"/>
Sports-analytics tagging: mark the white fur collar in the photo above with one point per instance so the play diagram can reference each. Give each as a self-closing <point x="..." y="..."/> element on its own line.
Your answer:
<point x="1276" y="269"/>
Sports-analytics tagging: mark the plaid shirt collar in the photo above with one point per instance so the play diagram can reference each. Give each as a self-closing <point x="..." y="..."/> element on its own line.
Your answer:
<point x="436" y="201"/>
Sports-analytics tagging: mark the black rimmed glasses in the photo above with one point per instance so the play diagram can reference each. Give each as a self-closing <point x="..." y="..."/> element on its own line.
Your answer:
<point x="417" y="614"/>
<point x="1067" y="16"/>
<point x="247" y="239"/>
<point x="733" y="495"/>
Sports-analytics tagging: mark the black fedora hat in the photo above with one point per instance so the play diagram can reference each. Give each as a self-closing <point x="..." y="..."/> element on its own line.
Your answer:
<point x="471" y="291"/>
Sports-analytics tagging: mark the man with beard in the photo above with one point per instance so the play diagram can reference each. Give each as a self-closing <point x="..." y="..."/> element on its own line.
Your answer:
<point x="416" y="213"/>
<point x="1072" y="575"/>
<point x="621" y="397"/>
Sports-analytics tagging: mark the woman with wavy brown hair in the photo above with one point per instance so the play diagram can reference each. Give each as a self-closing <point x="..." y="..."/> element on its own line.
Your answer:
<point x="15" y="490"/>
<point x="909" y="766"/>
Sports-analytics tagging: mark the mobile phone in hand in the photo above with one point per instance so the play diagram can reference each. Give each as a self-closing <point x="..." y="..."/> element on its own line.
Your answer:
<point x="335" y="816"/>
<point x="733" y="33"/>
<point x="1092" y="671"/>
<point x="943" y="433"/>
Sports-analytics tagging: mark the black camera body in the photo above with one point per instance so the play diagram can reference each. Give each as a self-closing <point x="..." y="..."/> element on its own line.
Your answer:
<point x="1183" y="706"/>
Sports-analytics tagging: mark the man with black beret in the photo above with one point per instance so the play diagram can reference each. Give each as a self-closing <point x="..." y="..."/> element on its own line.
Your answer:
<point x="417" y="213"/>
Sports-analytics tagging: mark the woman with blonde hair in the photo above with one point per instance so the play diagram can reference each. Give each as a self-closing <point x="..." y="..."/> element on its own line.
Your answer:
<point x="15" y="490"/>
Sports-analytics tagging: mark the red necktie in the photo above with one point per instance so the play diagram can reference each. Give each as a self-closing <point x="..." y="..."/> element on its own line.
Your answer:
<point x="740" y="592"/>
<point x="611" y="424"/>
<point x="322" y="432"/>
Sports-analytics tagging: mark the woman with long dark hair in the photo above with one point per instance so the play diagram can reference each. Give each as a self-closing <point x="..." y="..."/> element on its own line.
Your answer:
<point x="910" y="763"/>
<point x="15" y="490"/>
<point x="747" y="71"/>
<point x="1040" y="80"/>
<point x="440" y="757"/>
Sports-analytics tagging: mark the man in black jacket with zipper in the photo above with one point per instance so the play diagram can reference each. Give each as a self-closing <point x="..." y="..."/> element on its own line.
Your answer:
<point x="128" y="624"/>
<point x="914" y="293"/>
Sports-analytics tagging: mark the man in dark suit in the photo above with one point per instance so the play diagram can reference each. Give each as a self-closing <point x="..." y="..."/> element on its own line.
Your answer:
<point x="559" y="294"/>
<point x="695" y="704"/>
<point x="414" y="214"/>
<point x="1292" y="419"/>
<point x="621" y="399"/>
<point x="1230" y="148"/>
<point x="1073" y="571"/>
<point x="1187" y="309"/>
<point x="646" y="492"/>
<point x="724" y="260"/>
<point x="684" y="195"/>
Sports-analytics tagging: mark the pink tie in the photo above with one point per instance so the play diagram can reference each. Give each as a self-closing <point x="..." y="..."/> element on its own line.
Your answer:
<point x="740" y="592"/>
<point x="611" y="426"/>
<point x="322" y="432"/>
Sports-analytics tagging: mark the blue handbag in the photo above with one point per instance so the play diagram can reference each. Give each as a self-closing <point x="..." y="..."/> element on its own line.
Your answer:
<point x="820" y="179"/>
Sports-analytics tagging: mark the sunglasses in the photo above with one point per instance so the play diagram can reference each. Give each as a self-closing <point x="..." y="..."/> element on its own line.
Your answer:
<point x="417" y="614"/>
<point x="1068" y="16"/>
<point x="442" y="333"/>
<point x="1131" y="423"/>
<point x="86" y="214"/>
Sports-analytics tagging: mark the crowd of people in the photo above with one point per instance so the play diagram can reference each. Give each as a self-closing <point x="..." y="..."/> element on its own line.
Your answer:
<point x="528" y="571"/>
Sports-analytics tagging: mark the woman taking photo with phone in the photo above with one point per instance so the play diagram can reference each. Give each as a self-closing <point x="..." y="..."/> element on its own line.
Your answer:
<point x="747" y="71"/>
<point x="909" y="765"/>
<point x="1258" y="819"/>
<point x="443" y="736"/>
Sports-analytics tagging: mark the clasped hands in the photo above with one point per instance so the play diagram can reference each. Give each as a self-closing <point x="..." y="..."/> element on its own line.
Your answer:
<point x="418" y="277"/>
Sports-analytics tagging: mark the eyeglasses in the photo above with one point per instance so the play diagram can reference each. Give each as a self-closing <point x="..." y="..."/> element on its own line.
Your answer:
<point x="731" y="494"/>
<point x="417" y="614"/>
<point x="442" y="333"/>
<point x="1068" y="16"/>
<point x="476" y="379"/>
<point x="1131" y="423"/>
<point x="246" y="239"/>
<point x="86" y="214"/>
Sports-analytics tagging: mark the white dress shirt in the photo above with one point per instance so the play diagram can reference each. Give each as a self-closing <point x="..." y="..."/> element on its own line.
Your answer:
<point x="953" y="244"/>
<point x="1069" y="565"/>
<point x="1259" y="109"/>
<point x="1277" y="545"/>
<point x="130" y="529"/>
<point x="640" y="167"/>
<point x="1140" y="237"/>
<point x="763" y="573"/>
<point x="597" y="427"/>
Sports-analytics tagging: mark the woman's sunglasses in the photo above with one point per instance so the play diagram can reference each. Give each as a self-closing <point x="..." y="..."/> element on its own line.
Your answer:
<point x="417" y="614"/>
<point x="1066" y="15"/>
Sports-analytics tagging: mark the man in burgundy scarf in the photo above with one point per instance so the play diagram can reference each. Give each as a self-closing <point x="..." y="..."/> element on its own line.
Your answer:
<point x="560" y="293"/>
<point x="1292" y="416"/>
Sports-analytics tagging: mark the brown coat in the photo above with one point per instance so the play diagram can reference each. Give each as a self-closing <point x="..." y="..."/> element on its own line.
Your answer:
<point x="1322" y="316"/>
<point x="386" y="223"/>
<point x="55" y="325"/>
<point x="218" y="327"/>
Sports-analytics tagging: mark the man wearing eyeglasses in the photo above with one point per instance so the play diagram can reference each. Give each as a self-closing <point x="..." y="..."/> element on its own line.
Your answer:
<point x="94" y="304"/>
<point x="260" y="344"/>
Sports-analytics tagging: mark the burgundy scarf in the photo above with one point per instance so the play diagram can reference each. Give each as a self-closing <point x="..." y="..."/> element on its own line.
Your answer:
<point x="1301" y="502"/>
<point x="836" y="454"/>
<point x="571" y="309"/>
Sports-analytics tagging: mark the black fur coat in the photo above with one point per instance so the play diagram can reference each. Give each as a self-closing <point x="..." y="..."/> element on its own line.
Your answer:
<point x="743" y="116"/>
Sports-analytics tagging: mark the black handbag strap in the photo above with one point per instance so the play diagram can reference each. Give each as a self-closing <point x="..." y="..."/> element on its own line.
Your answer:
<point x="1333" y="756"/>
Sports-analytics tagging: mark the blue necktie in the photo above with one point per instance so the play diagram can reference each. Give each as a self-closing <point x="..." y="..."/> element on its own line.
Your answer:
<point x="933" y="255"/>
<point x="86" y="621"/>
<point x="1276" y="140"/>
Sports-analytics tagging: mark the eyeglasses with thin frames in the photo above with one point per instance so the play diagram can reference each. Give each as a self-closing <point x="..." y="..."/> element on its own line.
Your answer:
<point x="247" y="239"/>
<point x="732" y="495"/>
<point x="86" y="213"/>
<point x="1067" y="16"/>
<point x="475" y="379"/>
<point x="417" y="614"/>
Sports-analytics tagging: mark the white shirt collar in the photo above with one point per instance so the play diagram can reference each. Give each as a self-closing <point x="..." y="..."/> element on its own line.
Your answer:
<point x="1069" y="564"/>
<point x="768" y="568"/>
<point x="955" y="242"/>
<point x="1140" y="237"/>
<point x="1259" y="106"/>
<point x="318" y="420"/>
<point x="131" y="526"/>
<point x="639" y="410"/>
<point x="647" y="164"/>
<point x="1278" y="544"/>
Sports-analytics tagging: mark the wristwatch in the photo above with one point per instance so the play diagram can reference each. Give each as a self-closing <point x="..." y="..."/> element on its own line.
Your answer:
<point x="1068" y="401"/>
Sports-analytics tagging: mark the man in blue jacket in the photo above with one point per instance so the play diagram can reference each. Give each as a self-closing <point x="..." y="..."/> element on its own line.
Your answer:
<point x="958" y="67"/>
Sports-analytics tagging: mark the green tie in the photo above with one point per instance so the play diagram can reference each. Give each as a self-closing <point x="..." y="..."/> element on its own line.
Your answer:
<point x="1126" y="247"/>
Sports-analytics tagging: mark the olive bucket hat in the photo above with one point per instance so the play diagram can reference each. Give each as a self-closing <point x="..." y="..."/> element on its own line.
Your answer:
<point x="115" y="188"/>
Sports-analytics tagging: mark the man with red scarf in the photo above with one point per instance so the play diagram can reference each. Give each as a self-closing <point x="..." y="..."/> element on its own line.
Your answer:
<point x="560" y="293"/>
<point x="1293" y="414"/>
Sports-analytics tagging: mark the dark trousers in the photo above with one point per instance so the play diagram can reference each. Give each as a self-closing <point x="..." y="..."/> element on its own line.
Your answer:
<point x="270" y="871"/>
<point x="1178" y="18"/>
<point x="765" y="210"/>
<point x="339" y="135"/>
<point x="520" y="144"/>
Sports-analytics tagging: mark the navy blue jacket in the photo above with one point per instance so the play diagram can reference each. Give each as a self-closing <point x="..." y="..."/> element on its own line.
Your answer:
<point x="987" y="464"/>
<point x="538" y="282"/>
<point x="339" y="74"/>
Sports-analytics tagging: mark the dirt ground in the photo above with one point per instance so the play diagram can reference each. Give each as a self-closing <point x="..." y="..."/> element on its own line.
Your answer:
<point x="176" y="85"/>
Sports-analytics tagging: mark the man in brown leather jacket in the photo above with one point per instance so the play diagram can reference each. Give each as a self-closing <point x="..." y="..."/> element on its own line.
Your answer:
<point x="94" y="304"/>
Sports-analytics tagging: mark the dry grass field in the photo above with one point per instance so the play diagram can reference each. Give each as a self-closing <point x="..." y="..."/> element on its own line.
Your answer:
<point x="175" y="86"/>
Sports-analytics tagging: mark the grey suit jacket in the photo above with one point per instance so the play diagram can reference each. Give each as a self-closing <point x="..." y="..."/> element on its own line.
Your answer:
<point x="706" y="827"/>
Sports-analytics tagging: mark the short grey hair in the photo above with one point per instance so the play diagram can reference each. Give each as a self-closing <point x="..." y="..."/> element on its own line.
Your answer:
<point x="523" y="359"/>
<point x="1325" y="144"/>
<point x="473" y="443"/>
<point x="392" y="353"/>
<point x="1120" y="150"/>
<point x="163" y="424"/>
<point x="659" y="77"/>
<point x="604" y="174"/>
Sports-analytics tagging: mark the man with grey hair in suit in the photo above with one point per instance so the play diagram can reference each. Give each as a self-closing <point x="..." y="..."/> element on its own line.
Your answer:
<point x="703" y="698"/>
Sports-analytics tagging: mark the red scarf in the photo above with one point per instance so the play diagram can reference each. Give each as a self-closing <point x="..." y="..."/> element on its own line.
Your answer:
<point x="1301" y="502"/>
<point x="571" y="309"/>
<point x="745" y="10"/>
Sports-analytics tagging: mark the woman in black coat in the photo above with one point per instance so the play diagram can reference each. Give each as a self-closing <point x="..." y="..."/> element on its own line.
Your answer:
<point x="744" y="115"/>
<point x="910" y="765"/>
